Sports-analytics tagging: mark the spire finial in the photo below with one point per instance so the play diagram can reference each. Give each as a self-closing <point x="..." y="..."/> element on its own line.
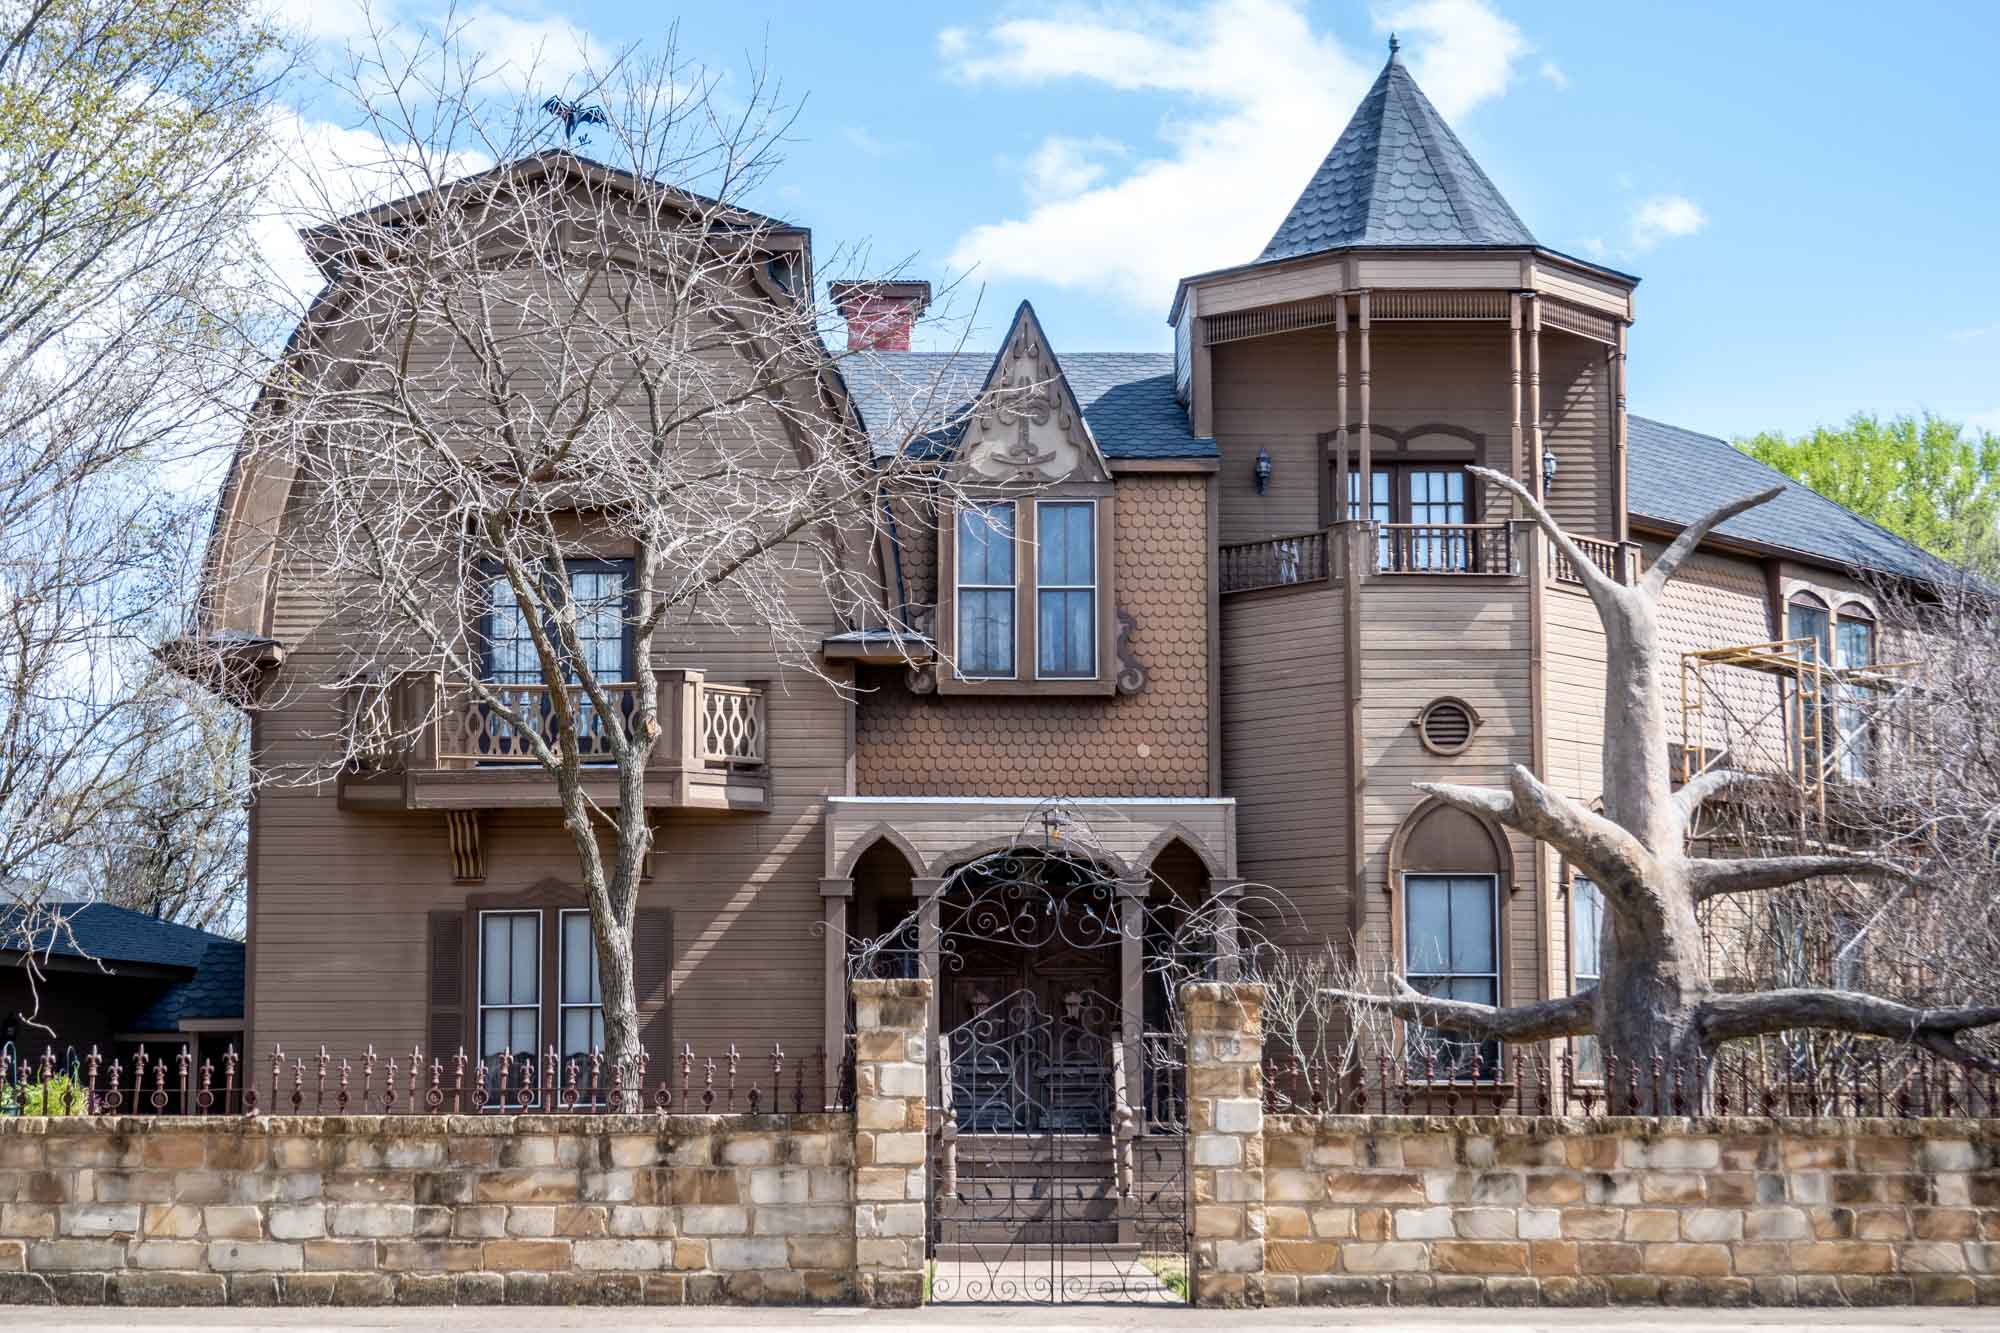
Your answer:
<point x="1394" y="46"/>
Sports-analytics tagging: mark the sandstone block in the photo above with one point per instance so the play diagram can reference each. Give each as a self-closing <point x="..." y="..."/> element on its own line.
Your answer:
<point x="254" y="1256"/>
<point x="1479" y="1258"/>
<point x="1688" y="1260"/>
<point x="504" y="1256"/>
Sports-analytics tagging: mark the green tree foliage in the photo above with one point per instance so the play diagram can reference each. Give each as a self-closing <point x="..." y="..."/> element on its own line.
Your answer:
<point x="1927" y="479"/>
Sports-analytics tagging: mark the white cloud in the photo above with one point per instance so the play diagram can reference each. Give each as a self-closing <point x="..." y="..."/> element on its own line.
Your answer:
<point x="1976" y="331"/>
<point x="521" y="49"/>
<point x="1986" y="421"/>
<point x="1464" y="53"/>
<point x="1662" y="217"/>
<point x="1553" y="73"/>
<point x="1062" y="166"/>
<point x="1257" y="97"/>
<point x="860" y="138"/>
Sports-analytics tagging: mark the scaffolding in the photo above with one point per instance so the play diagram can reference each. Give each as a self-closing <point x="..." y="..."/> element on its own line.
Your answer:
<point x="1779" y="711"/>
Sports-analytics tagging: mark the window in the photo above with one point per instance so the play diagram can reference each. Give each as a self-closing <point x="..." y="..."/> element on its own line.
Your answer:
<point x="1066" y="588"/>
<point x="1434" y="501"/>
<point x="986" y="590"/>
<point x="1586" y="936"/>
<point x="1451" y="949"/>
<point x="510" y="989"/>
<point x="1807" y="619"/>
<point x="1853" y="648"/>
<point x="599" y="590"/>
<point x="579" y="989"/>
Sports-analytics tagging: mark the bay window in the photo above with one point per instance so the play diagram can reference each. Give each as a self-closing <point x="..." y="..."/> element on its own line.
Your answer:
<point x="1026" y="600"/>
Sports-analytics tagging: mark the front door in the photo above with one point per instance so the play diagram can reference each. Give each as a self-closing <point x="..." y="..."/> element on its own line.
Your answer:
<point x="1029" y="1034"/>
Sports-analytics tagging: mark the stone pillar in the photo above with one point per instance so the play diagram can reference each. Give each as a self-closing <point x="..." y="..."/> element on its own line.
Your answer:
<point x="890" y="1047"/>
<point x="834" y="896"/>
<point x="1225" y="1052"/>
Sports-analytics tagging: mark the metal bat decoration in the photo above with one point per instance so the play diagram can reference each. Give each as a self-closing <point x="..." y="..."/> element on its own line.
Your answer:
<point x="573" y="114"/>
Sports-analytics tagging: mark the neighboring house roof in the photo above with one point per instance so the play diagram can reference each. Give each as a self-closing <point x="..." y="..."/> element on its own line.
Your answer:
<point x="214" y="991"/>
<point x="1127" y="399"/>
<point x="1397" y="176"/>
<point x="1676" y="476"/>
<point x="111" y="935"/>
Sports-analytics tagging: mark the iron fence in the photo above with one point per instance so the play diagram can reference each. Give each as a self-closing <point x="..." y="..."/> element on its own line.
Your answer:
<point x="729" y="1081"/>
<point x="1871" y="1080"/>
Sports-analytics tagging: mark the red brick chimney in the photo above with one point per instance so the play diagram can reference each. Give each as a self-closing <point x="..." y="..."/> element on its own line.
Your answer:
<point x="879" y="315"/>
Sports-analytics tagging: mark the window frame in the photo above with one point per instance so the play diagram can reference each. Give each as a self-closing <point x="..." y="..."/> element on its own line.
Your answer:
<point x="481" y="1006"/>
<point x="1447" y="555"/>
<point x="1577" y="976"/>
<point x="491" y="573"/>
<point x="1492" y="1071"/>
<point x="1042" y="506"/>
<point x="1027" y="678"/>
<point x="1012" y="588"/>
<point x="563" y="1006"/>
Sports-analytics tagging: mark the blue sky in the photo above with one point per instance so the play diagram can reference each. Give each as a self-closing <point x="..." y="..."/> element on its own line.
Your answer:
<point x="1810" y="191"/>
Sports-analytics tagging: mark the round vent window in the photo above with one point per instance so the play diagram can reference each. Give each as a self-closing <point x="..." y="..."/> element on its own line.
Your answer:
<point x="1446" y="726"/>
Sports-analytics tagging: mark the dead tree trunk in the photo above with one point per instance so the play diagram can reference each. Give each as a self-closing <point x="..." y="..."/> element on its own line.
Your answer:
<point x="1655" y="997"/>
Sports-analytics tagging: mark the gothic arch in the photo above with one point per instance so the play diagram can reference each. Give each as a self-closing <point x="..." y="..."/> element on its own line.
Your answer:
<point x="868" y="839"/>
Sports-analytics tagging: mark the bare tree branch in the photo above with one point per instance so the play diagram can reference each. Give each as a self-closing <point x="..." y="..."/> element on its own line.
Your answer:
<point x="1704" y="786"/>
<point x="1599" y="584"/>
<point x="1669" y="561"/>
<point x="1543" y="1020"/>
<point x="1612" y="857"/>
<point x="1712" y="878"/>
<point x="1734" y="1017"/>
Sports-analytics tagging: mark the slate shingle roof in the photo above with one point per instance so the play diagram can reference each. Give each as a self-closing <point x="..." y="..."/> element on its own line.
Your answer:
<point x="1675" y="476"/>
<point x="1127" y="399"/>
<point x="1396" y="176"/>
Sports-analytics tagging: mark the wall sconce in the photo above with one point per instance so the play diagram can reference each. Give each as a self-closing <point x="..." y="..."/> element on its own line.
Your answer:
<point x="1548" y="471"/>
<point x="1262" y="470"/>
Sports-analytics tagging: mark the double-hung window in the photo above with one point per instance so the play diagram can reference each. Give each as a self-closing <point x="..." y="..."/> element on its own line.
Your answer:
<point x="1586" y="934"/>
<point x="599" y="598"/>
<point x="510" y="990"/>
<point x="1853" y="648"/>
<point x="985" y="591"/>
<point x="1066" y="588"/>
<point x="1452" y="950"/>
<point x="579" y="989"/>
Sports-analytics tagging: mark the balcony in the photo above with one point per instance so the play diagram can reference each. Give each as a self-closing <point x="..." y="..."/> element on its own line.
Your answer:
<point x="437" y="744"/>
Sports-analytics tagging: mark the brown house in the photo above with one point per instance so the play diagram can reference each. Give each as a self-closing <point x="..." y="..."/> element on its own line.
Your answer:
<point x="1227" y="602"/>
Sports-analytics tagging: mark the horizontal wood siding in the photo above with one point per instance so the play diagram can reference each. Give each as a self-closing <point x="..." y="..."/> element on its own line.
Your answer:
<point x="1576" y="428"/>
<point x="1284" y="749"/>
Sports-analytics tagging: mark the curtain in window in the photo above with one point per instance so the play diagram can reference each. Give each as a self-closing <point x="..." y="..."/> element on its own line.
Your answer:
<point x="580" y="1001"/>
<point x="1437" y="497"/>
<point x="986" y="590"/>
<point x="1066" y="590"/>
<point x="1853" y="647"/>
<point x="1586" y="940"/>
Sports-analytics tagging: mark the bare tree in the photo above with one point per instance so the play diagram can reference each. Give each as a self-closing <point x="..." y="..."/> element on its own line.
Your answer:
<point x="1656" y="994"/>
<point x="577" y="351"/>
<point x="131" y="147"/>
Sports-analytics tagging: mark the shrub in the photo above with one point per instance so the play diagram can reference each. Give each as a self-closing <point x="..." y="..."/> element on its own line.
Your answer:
<point x="59" y="1095"/>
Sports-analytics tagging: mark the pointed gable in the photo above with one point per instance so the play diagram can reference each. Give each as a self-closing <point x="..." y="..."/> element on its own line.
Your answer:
<point x="1397" y="176"/>
<point x="1029" y="428"/>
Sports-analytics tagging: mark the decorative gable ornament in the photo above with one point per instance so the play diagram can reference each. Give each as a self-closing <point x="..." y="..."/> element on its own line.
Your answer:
<point x="1029" y="431"/>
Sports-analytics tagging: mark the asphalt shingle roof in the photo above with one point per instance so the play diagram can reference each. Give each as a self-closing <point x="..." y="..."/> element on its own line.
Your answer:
<point x="113" y="935"/>
<point x="1127" y="399"/>
<point x="214" y="991"/>
<point x="1397" y="176"/>
<point x="1676" y="476"/>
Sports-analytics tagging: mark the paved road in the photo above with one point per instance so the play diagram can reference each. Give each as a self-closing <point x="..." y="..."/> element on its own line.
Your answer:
<point x="1016" y="1319"/>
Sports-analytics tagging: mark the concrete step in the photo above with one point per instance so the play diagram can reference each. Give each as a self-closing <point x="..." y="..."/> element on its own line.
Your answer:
<point x="1033" y="1252"/>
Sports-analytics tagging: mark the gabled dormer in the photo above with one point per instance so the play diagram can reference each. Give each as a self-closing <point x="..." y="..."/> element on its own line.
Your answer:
<point x="1025" y="597"/>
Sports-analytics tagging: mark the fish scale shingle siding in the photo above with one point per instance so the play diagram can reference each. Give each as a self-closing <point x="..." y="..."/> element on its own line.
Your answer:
<point x="1153" y="743"/>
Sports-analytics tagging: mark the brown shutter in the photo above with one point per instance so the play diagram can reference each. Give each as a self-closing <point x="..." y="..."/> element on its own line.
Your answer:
<point x="447" y="951"/>
<point x="653" y="981"/>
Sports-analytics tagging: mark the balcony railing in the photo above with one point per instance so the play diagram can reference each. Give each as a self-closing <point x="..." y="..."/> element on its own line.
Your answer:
<point x="1276" y="562"/>
<point x="1620" y="562"/>
<point x="1444" y="548"/>
<point x="423" y="720"/>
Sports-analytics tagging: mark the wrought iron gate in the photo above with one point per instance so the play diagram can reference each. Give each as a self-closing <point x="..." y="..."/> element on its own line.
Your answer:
<point x="1048" y="1182"/>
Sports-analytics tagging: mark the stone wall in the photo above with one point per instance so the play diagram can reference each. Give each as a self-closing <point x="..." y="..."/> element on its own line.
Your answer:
<point x="368" y="1210"/>
<point x="1502" y="1210"/>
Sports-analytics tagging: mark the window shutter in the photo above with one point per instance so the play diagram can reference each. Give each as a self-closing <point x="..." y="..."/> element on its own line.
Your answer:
<point x="653" y="981"/>
<point x="447" y="981"/>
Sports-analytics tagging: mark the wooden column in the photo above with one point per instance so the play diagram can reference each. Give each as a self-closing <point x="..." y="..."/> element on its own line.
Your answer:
<point x="1621" y="517"/>
<point x="1534" y="477"/>
<point x="834" y="895"/>
<point x="1367" y="464"/>
<point x="1339" y="514"/>
<point x="1132" y="893"/>
<point x="1227" y="895"/>
<point x="1514" y="392"/>
<point x="930" y="938"/>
